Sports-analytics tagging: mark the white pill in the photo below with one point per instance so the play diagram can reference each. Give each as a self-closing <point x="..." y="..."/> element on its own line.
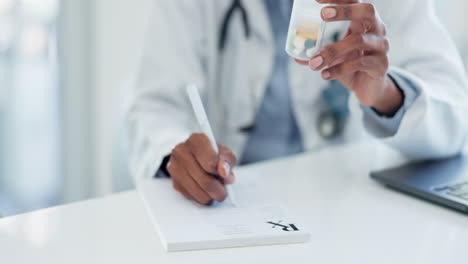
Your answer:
<point x="299" y="42"/>
<point x="310" y="53"/>
<point x="298" y="52"/>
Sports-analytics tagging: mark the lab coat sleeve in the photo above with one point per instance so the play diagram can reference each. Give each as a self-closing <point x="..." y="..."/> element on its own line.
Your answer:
<point x="382" y="126"/>
<point x="422" y="53"/>
<point x="160" y="114"/>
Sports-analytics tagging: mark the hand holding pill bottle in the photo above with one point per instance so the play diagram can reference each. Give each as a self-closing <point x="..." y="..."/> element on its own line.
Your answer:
<point x="306" y="30"/>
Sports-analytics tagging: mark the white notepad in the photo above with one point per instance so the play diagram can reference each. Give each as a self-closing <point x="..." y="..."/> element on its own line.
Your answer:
<point x="184" y="225"/>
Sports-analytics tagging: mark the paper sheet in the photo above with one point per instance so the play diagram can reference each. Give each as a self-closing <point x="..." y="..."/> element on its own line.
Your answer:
<point x="257" y="219"/>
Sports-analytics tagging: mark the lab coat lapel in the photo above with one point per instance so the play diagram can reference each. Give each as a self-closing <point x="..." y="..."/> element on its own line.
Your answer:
<point x="263" y="47"/>
<point x="259" y="20"/>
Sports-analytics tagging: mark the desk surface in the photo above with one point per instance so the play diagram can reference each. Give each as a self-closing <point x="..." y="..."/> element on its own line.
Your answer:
<point x="352" y="218"/>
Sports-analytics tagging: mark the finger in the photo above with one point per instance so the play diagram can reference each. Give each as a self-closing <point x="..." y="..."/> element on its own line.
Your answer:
<point x="350" y="12"/>
<point x="175" y="171"/>
<point x="200" y="146"/>
<point x="230" y="179"/>
<point x="195" y="190"/>
<point x="227" y="160"/>
<point x="348" y="57"/>
<point x="301" y="62"/>
<point x="226" y="172"/>
<point x="373" y="65"/>
<point x="180" y="174"/>
<point x="208" y="183"/>
<point x="181" y="189"/>
<point x="352" y="43"/>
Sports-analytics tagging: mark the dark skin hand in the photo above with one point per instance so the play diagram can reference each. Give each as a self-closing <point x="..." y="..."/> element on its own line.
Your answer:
<point x="360" y="60"/>
<point x="199" y="173"/>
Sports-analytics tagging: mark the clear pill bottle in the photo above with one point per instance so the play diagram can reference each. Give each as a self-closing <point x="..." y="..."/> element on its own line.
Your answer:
<point x="306" y="30"/>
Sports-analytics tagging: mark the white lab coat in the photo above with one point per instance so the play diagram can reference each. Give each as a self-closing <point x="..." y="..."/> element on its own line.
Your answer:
<point x="182" y="48"/>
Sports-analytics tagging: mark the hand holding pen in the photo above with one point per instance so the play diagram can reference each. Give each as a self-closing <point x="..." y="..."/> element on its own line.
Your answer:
<point x="201" y="169"/>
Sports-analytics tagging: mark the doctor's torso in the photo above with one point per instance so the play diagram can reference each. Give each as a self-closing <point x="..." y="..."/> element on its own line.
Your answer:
<point x="238" y="76"/>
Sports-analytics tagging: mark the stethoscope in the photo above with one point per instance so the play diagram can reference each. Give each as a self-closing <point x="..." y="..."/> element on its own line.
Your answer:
<point x="236" y="5"/>
<point x="331" y="121"/>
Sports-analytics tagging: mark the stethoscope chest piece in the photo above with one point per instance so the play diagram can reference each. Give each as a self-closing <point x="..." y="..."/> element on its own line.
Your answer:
<point x="331" y="121"/>
<point x="329" y="126"/>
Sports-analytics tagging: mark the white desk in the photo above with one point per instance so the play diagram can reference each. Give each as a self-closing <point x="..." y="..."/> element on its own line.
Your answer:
<point x="353" y="220"/>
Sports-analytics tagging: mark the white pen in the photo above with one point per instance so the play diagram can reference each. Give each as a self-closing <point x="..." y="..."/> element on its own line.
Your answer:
<point x="200" y="114"/>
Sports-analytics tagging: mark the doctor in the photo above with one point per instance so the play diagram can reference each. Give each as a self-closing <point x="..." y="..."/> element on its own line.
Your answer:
<point x="389" y="70"/>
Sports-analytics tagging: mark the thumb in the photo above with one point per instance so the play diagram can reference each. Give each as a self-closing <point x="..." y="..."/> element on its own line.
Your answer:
<point x="226" y="172"/>
<point x="226" y="163"/>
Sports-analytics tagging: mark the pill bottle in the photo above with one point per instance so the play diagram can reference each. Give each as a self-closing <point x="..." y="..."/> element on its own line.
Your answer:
<point x="306" y="30"/>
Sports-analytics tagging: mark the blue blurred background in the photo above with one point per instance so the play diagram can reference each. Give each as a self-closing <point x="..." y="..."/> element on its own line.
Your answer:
<point x="64" y="68"/>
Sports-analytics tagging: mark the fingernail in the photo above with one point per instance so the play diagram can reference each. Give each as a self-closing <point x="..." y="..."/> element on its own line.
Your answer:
<point x="227" y="168"/>
<point x="230" y="179"/>
<point x="329" y="12"/>
<point x="316" y="62"/>
<point x="326" y="74"/>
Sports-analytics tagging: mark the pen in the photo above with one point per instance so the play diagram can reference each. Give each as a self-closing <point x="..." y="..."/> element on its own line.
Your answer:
<point x="200" y="114"/>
